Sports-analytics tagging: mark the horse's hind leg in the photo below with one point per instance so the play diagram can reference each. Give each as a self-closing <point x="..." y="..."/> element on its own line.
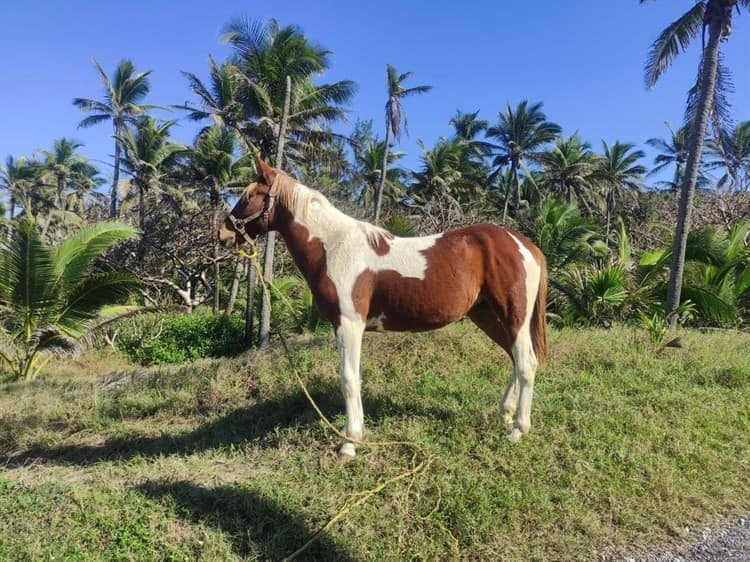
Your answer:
<point x="525" y="372"/>
<point x="484" y="317"/>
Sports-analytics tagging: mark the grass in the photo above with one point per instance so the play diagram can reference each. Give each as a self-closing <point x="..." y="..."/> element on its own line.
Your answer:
<point x="224" y="459"/>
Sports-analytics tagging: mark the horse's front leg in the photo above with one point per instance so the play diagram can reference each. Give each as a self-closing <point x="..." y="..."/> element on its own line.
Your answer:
<point x="349" y="342"/>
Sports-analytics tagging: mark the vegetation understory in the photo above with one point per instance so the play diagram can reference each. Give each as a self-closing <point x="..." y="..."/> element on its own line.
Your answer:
<point x="225" y="459"/>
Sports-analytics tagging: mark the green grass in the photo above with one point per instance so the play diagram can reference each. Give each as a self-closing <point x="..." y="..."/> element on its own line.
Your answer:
<point x="224" y="459"/>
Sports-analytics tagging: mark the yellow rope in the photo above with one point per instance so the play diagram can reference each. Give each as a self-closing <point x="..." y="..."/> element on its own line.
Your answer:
<point x="365" y="495"/>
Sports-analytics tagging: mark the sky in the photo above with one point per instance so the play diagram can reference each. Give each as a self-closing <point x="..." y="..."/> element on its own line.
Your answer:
<point x="583" y="59"/>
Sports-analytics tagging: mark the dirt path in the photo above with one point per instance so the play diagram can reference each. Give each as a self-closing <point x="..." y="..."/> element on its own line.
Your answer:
<point x="728" y="543"/>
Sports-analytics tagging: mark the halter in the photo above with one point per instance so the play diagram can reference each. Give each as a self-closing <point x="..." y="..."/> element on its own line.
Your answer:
<point x="268" y="202"/>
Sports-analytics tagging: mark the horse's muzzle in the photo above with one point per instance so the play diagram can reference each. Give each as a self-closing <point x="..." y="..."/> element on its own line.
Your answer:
<point x="227" y="236"/>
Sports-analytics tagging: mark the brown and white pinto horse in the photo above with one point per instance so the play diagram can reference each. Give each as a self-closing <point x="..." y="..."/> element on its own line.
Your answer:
<point x="364" y="278"/>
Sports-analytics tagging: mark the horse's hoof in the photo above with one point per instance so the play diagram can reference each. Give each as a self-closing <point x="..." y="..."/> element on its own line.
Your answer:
<point x="508" y="420"/>
<point x="515" y="435"/>
<point x="347" y="450"/>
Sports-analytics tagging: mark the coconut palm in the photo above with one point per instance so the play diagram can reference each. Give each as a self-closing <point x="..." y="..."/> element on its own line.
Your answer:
<point x="467" y="127"/>
<point x="717" y="272"/>
<point x="521" y="134"/>
<point x="440" y="170"/>
<point x="62" y="162"/>
<point x="214" y="166"/>
<point x="671" y="151"/>
<point x="13" y="176"/>
<point x="85" y="179"/>
<point x="368" y="161"/>
<point x="563" y="235"/>
<point x="121" y="105"/>
<point x="221" y="100"/>
<point x="284" y="107"/>
<point x="395" y="121"/>
<point x="619" y="174"/>
<point x="704" y="102"/>
<point x="265" y="54"/>
<point x="49" y="297"/>
<point x="148" y="153"/>
<point x="733" y="155"/>
<point x="570" y="171"/>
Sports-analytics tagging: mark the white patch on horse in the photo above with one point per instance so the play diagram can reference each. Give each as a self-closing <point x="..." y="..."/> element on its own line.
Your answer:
<point x="349" y="251"/>
<point x="524" y="357"/>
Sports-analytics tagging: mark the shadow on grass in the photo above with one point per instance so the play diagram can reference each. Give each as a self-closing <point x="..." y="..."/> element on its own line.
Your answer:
<point x="258" y="423"/>
<point x="258" y="527"/>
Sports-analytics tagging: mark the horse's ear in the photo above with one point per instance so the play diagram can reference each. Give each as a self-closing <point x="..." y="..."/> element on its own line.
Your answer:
<point x="269" y="174"/>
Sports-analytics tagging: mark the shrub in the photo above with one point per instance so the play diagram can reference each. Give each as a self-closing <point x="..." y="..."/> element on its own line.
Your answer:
<point x="157" y="339"/>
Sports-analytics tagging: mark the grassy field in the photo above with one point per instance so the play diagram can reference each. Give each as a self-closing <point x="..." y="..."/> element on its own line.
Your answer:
<point x="224" y="460"/>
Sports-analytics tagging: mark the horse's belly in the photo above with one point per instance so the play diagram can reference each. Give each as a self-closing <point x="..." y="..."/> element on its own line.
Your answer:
<point x="415" y="306"/>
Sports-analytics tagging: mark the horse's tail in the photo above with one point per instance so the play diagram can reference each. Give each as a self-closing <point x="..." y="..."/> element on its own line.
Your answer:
<point x="539" y="316"/>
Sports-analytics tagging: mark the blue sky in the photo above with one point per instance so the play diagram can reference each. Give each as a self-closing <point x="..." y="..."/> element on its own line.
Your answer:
<point x="582" y="59"/>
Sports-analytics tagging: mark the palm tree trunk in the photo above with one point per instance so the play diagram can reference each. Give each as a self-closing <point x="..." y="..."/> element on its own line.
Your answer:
<point x="709" y="63"/>
<point x="235" y="287"/>
<point x="12" y="205"/>
<point x="216" y="250"/>
<point x="115" y="174"/>
<point x="514" y="174"/>
<point x="383" y="170"/>
<point x="61" y="195"/>
<point x="265" y="309"/>
<point x="252" y="281"/>
<point x="141" y="208"/>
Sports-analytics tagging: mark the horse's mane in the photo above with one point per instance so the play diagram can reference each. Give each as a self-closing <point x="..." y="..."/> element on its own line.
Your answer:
<point x="308" y="204"/>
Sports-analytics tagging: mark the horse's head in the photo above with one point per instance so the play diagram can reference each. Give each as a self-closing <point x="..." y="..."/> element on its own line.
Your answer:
<point x="253" y="213"/>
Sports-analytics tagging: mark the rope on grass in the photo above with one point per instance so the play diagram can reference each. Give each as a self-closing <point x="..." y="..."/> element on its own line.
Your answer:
<point x="366" y="495"/>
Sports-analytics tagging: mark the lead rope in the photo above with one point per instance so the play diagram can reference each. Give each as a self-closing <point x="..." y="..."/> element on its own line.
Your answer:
<point x="364" y="496"/>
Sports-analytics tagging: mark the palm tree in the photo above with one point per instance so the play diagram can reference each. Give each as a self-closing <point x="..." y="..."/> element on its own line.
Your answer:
<point x="283" y="104"/>
<point x="395" y="121"/>
<point x="264" y="55"/>
<point x="467" y="127"/>
<point x="441" y="170"/>
<point x="85" y="179"/>
<point x="734" y="157"/>
<point x="221" y="100"/>
<point x="620" y="174"/>
<point x="50" y="297"/>
<point x="570" y="172"/>
<point x="704" y="102"/>
<point x="563" y="235"/>
<point x="148" y="153"/>
<point x="213" y="164"/>
<point x="121" y="105"/>
<point x="520" y="133"/>
<point x="368" y="161"/>
<point x="62" y="161"/>
<point x="671" y="151"/>
<point x="12" y="175"/>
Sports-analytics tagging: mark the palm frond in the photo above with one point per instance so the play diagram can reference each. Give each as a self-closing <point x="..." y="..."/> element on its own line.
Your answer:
<point x="73" y="258"/>
<point x="674" y="39"/>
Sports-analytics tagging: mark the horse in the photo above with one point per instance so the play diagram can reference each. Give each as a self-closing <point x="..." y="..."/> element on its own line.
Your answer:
<point x="363" y="278"/>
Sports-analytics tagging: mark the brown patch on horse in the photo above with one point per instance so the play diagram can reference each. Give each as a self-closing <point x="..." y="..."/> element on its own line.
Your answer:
<point x="474" y="260"/>
<point x="310" y="257"/>
<point x="380" y="245"/>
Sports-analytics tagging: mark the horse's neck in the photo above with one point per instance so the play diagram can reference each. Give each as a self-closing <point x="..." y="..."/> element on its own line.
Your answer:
<point x="311" y="231"/>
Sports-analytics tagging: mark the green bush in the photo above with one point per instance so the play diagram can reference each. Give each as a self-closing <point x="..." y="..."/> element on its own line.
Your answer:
<point x="156" y="339"/>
